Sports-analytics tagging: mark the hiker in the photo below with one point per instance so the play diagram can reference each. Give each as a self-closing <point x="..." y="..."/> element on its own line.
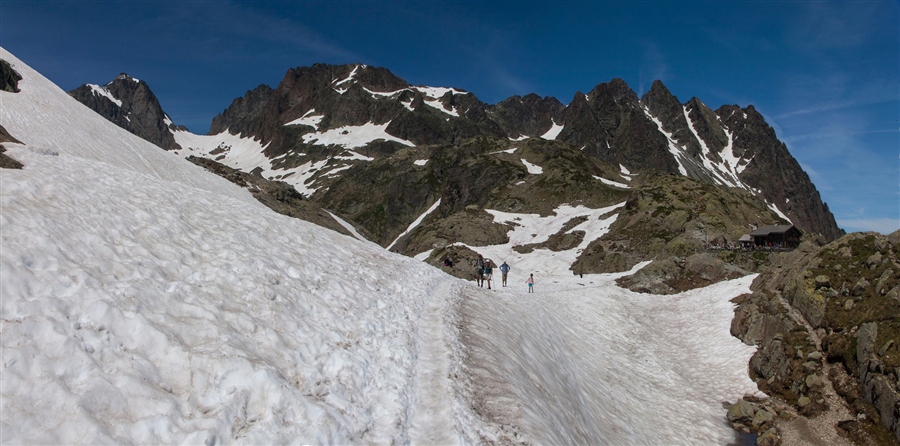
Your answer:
<point x="488" y="272"/>
<point x="448" y="263"/>
<point x="530" y="282"/>
<point x="479" y="270"/>
<point x="504" y="268"/>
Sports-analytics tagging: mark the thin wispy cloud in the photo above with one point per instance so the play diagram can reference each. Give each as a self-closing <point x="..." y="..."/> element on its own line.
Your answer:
<point x="654" y="67"/>
<point x="240" y="31"/>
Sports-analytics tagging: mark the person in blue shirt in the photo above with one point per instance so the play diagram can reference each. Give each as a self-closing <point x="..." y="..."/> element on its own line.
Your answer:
<point x="504" y="268"/>
<point x="488" y="272"/>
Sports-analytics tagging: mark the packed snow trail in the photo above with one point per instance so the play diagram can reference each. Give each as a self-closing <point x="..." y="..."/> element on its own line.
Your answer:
<point x="596" y="364"/>
<point x="433" y="419"/>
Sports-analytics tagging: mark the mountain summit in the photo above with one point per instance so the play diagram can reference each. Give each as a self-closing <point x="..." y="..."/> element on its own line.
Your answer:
<point x="129" y="103"/>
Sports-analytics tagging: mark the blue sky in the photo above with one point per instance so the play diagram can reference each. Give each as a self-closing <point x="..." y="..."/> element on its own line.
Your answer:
<point x="826" y="75"/>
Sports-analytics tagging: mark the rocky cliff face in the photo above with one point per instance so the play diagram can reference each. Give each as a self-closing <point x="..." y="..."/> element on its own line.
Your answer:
<point x="325" y="124"/>
<point x="827" y="322"/>
<point x="129" y="103"/>
<point x="730" y="147"/>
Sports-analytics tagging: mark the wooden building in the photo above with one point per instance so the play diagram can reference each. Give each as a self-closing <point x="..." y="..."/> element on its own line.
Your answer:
<point x="780" y="236"/>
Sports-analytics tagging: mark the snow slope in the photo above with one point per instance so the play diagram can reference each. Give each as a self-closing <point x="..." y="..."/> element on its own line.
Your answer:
<point x="147" y="301"/>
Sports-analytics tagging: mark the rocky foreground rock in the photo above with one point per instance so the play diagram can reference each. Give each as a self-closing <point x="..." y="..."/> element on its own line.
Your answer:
<point x="826" y="321"/>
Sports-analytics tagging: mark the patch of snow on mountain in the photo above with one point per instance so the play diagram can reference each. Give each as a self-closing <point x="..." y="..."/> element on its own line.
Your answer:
<point x="439" y="106"/>
<point x="778" y="211"/>
<point x="612" y="183"/>
<point x="308" y="119"/>
<point x="416" y="223"/>
<point x="553" y="132"/>
<point x="101" y="91"/>
<point x="345" y="80"/>
<point x="438" y="92"/>
<point x="533" y="228"/>
<point x="246" y="154"/>
<point x="533" y="169"/>
<point x="351" y="137"/>
<point x="353" y="155"/>
<point x="724" y="172"/>
<point x="420" y="162"/>
<point x="625" y="172"/>
<point x="734" y="163"/>
<point x="520" y="138"/>
<point x="673" y="146"/>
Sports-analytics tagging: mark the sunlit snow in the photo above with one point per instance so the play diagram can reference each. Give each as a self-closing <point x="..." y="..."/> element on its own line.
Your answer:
<point x="612" y="183"/>
<point x="308" y="119"/>
<point x="553" y="132"/>
<point x="532" y="168"/>
<point x="353" y="136"/>
<point x="101" y="91"/>
<point x="147" y="301"/>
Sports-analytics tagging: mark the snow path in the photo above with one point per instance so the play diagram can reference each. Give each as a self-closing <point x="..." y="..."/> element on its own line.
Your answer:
<point x="432" y="419"/>
<point x="582" y="361"/>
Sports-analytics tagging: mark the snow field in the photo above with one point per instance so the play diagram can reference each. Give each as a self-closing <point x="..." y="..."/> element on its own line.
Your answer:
<point x="143" y="314"/>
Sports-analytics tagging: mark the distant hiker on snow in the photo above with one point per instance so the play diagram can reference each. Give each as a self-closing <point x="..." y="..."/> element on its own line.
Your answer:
<point x="504" y="268"/>
<point x="479" y="270"/>
<point x="530" y="282"/>
<point x="488" y="272"/>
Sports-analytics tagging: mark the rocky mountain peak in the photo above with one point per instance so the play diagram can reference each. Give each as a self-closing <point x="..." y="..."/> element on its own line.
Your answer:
<point x="130" y="104"/>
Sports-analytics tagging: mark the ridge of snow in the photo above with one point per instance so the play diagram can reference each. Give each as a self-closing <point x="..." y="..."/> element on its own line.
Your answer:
<point x="415" y="223"/>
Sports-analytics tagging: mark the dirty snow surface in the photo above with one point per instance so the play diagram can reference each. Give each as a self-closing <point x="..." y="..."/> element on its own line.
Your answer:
<point x="147" y="301"/>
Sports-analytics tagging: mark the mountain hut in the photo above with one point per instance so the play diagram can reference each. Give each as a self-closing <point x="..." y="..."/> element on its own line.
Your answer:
<point x="780" y="236"/>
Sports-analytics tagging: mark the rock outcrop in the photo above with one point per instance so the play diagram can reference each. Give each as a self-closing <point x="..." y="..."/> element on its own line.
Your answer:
<point x="9" y="78"/>
<point x="829" y="318"/>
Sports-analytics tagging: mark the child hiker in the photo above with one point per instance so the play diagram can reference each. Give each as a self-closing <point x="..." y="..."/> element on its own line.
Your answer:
<point x="530" y="282"/>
